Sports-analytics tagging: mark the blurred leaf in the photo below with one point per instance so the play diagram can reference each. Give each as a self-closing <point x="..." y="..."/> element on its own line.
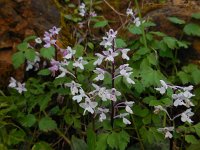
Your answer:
<point x="176" y="20"/>
<point x="135" y="30"/>
<point x="100" y="24"/>
<point x="30" y="38"/>
<point x="91" y="139"/>
<point x="48" y="53"/>
<point x="196" y="15"/>
<point x="22" y="46"/>
<point x="191" y="139"/>
<point x="120" y="43"/>
<point x="41" y="146"/>
<point x="18" y="59"/>
<point x="170" y="41"/>
<point x="101" y="141"/>
<point x="44" y="72"/>
<point x="113" y="140"/>
<point x="47" y="124"/>
<point x="192" y="29"/>
<point x="79" y="50"/>
<point x="28" y="120"/>
<point x="78" y="144"/>
<point x="30" y="54"/>
<point x="16" y="136"/>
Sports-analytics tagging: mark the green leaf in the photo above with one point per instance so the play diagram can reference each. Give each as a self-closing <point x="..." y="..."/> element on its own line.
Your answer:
<point x="120" y="43"/>
<point x="28" y="121"/>
<point x="3" y="147"/>
<point x="143" y="51"/>
<point x="192" y="29"/>
<point x="197" y="129"/>
<point x="15" y="137"/>
<point x="196" y="76"/>
<point x="79" y="50"/>
<point x="100" y="24"/>
<point x="47" y="124"/>
<point x="124" y="139"/>
<point x="91" y="45"/>
<point x="135" y="30"/>
<point x="22" y="46"/>
<point x="113" y="140"/>
<point x="196" y="15"/>
<point x="191" y="139"/>
<point x="48" y="53"/>
<point x="170" y="41"/>
<point x="18" y="59"/>
<point x="184" y="77"/>
<point x="158" y="33"/>
<point x="44" y="100"/>
<point x="194" y="146"/>
<point x="41" y="146"/>
<point x="30" y="54"/>
<point x="148" y="24"/>
<point x="102" y="141"/>
<point x="44" y="72"/>
<point x="138" y="111"/>
<point x="30" y="38"/>
<point x="91" y="139"/>
<point x="78" y="144"/>
<point x="176" y="20"/>
<point x="147" y="119"/>
<point x="152" y="58"/>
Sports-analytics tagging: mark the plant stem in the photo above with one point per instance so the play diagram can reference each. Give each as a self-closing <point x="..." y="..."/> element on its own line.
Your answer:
<point x="63" y="136"/>
<point x="142" y="27"/>
<point x="113" y="86"/>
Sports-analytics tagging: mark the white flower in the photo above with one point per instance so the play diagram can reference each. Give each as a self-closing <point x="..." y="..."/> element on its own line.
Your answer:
<point x="100" y="74"/>
<point x="79" y="97"/>
<point x="73" y="87"/>
<point x="82" y="10"/>
<point x="112" y="94"/>
<point x="163" y="88"/>
<point x="124" y="53"/>
<point x="93" y="14"/>
<point x="102" y="113"/>
<point x="110" y="54"/>
<point x="99" y="60"/>
<point x="101" y="92"/>
<point x="166" y="131"/>
<point x="79" y="63"/>
<point x="123" y="69"/>
<point x="111" y="34"/>
<point x="20" y="87"/>
<point x="185" y="116"/>
<point x="13" y="83"/>
<point x="106" y="42"/>
<point x="35" y="63"/>
<point x="38" y="40"/>
<point x="88" y="106"/>
<point x="68" y="53"/>
<point x="64" y="72"/>
<point x="128" y="106"/>
<point x="126" y="121"/>
<point x="129" y="12"/>
<point x="54" y="30"/>
<point x="158" y="109"/>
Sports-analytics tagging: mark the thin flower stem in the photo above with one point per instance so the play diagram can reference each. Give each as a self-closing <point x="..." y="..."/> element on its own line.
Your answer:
<point x="142" y="27"/>
<point x="113" y="85"/>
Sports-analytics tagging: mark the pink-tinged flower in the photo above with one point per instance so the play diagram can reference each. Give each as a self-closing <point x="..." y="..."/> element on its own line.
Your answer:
<point x="100" y="74"/>
<point x="88" y="105"/>
<point x="124" y="69"/>
<point x="73" y="87"/>
<point x="93" y="14"/>
<point x="166" y="131"/>
<point x="124" y="53"/>
<point x="48" y="40"/>
<point x="68" y="53"/>
<point x="99" y="60"/>
<point x="55" y="67"/>
<point x="54" y="30"/>
<point x="110" y="55"/>
<point x="185" y="116"/>
<point x="112" y="94"/>
<point x="79" y="63"/>
<point x="123" y="115"/>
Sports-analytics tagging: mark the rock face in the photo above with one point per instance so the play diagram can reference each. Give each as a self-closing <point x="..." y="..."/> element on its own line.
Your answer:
<point x="19" y="19"/>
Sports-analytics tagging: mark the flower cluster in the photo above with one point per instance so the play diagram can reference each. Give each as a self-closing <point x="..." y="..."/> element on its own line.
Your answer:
<point x="136" y="20"/>
<point x="20" y="87"/>
<point x="166" y="131"/>
<point x="50" y="37"/>
<point x="34" y="64"/>
<point x="181" y="97"/>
